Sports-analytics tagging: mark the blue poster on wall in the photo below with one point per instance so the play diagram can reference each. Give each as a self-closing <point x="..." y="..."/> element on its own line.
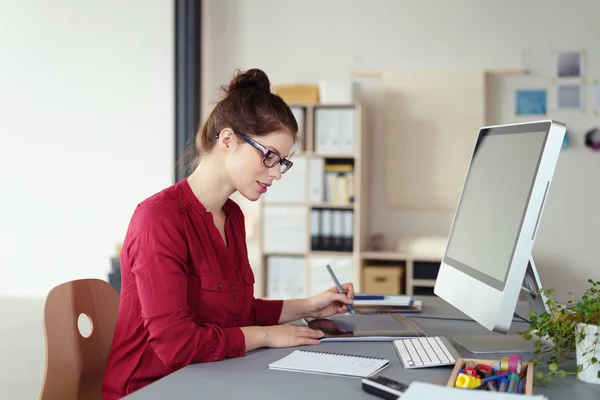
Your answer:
<point x="530" y="102"/>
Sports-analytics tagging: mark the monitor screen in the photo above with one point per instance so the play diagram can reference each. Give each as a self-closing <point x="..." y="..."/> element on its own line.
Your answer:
<point x="493" y="203"/>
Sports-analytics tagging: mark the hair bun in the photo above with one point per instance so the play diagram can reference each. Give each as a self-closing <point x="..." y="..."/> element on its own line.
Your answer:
<point x="253" y="78"/>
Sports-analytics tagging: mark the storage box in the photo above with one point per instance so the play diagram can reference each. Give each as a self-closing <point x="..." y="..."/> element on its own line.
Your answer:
<point x="527" y="372"/>
<point x="382" y="279"/>
<point x="337" y="91"/>
<point x="298" y="94"/>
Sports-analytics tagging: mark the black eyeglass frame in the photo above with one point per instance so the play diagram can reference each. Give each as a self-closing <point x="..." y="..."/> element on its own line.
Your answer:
<point x="287" y="164"/>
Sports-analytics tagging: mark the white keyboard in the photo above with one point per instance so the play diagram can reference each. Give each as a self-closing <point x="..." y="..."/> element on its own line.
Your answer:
<point x="422" y="352"/>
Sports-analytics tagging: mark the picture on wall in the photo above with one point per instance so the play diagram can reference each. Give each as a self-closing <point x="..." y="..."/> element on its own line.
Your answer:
<point x="597" y="97"/>
<point x="569" y="96"/>
<point x="569" y="64"/>
<point x="530" y="102"/>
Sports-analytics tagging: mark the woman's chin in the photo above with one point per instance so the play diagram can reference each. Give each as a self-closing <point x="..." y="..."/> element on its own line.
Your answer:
<point x="252" y="195"/>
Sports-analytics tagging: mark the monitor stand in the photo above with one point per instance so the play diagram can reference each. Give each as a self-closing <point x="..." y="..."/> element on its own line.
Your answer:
<point x="496" y="343"/>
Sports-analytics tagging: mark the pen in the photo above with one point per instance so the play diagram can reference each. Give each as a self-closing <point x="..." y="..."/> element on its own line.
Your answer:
<point x="340" y="289"/>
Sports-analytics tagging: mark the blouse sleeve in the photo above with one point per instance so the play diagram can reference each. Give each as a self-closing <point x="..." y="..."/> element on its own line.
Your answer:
<point x="158" y="257"/>
<point x="266" y="312"/>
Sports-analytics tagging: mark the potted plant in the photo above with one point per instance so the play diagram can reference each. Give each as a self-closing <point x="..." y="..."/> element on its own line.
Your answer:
<point x="564" y="330"/>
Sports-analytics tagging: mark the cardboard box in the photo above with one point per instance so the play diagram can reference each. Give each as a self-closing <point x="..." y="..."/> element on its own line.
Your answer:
<point x="298" y="94"/>
<point x="379" y="279"/>
<point x="527" y="372"/>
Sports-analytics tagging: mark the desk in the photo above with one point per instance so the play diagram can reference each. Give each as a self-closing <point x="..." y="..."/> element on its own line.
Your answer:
<point x="249" y="376"/>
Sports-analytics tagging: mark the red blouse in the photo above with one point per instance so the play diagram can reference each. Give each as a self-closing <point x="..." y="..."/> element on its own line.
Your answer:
<point x="184" y="293"/>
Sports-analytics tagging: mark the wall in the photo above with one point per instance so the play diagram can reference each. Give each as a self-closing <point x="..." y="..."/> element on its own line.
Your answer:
<point x="86" y="132"/>
<point x="311" y="40"/>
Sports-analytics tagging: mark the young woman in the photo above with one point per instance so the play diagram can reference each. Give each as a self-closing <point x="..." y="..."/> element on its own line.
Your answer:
<point x="187" y="286"/>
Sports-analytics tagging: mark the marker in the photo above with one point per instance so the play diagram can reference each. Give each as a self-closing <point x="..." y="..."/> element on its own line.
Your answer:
<point x="520" y="386"/>
<point x="340" y="289"/>
<point x="513" y="382"/>
<point x="503" y="385"/>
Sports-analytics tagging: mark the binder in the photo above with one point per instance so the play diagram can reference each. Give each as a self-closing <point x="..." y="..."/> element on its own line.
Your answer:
<point x="331" y="229"/>
<point x="338" y="230"/>
<point x="348" y="232"/>
<point x="299" y="114"/>
<point x="335" y="130"/>
<point x="317" y="180"/>
<point x="315" y="229"/>
<point x="326" y="229"/>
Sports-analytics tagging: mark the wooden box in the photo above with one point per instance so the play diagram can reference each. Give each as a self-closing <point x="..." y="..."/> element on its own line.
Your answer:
<point x="382" y="279"/>
<point x="527" y="372"/>
<point x="298" y="94"/>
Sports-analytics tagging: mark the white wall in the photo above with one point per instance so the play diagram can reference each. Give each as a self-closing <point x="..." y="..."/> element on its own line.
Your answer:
<point x="310" y="40"/>
<point x="86" y="132"/>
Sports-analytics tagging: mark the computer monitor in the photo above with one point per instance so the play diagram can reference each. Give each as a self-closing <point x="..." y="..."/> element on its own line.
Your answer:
<point x="488" y="262"/>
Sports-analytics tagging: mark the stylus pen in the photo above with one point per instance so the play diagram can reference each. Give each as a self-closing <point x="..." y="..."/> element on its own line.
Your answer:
<point x="340" y="289"/>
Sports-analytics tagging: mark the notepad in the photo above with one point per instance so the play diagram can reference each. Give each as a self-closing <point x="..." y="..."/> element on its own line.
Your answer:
<point x="338" y="364"/>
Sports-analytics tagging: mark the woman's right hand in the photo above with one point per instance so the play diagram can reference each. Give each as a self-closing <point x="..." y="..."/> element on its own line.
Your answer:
<point x="290" y="336"/>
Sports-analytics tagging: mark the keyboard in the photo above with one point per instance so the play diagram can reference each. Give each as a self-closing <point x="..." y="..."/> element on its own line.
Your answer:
<point x="423" y="352"/>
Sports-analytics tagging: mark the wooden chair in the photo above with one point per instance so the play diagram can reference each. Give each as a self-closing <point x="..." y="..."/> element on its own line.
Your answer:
<point x="75" y="364"/>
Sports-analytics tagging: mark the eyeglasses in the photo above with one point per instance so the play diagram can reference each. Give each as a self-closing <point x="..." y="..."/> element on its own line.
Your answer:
<point x="270" y="158"/>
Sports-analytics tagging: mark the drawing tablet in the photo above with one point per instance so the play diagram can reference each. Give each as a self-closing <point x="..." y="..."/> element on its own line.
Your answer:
<point x="364" y="328"/>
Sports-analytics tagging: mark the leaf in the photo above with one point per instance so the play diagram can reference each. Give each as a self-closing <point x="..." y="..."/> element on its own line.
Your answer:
<point x="561" y="374"/>
<point x="598" y="374"/>
<point x="539" y="375"/>
<point x="553" y="367"/>
<point x="594" y="360"/>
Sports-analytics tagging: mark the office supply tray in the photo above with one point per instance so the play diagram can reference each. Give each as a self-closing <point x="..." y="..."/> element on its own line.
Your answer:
<point x="528" y="372"/>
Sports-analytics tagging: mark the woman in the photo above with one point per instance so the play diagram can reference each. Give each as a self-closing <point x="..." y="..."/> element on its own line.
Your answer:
<point x="187" y="286"/>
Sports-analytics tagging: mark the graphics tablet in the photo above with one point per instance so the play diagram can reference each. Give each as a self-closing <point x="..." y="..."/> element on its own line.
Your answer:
<point x="365" y="328"/>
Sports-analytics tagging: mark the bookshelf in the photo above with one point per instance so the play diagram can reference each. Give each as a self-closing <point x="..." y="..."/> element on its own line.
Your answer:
<point x="317" y="213"/>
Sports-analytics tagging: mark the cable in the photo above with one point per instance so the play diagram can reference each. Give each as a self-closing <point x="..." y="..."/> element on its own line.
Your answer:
<point x="520" y="319"/>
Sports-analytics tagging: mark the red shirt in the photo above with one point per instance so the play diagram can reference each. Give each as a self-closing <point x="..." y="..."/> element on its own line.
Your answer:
<point x="184" y="293"/>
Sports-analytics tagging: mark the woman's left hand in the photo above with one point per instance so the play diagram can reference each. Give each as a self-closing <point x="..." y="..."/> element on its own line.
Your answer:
<point x="331" y="302"/>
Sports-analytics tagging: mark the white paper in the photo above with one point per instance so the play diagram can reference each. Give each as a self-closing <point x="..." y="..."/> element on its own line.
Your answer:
<point x="421" y="390"/>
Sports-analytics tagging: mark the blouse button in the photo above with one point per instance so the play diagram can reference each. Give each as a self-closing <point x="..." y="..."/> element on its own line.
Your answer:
<point x="180" y="201"/>
<point x="219" y="286"/>
<point x="234" y="298"/>
<point x="216" y="357"/>
<point x="233" y="287"/>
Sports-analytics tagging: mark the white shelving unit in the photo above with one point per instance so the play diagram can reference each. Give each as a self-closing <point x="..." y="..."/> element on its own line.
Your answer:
<point x="329" y="177"/>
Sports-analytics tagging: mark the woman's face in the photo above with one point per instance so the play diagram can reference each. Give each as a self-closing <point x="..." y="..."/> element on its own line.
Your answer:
<point x="245" y="166"/>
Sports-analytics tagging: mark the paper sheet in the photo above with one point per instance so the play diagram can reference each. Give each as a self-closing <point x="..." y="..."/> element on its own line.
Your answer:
<point x="422" y="390"/>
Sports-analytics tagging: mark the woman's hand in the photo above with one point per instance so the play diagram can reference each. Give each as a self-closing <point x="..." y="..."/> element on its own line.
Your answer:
<point x="279" y="336"/>
<point x="290" y="336"/>
<point x="330" y="302"/>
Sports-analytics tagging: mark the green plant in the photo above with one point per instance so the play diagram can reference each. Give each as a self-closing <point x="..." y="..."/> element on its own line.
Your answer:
<point x="554" y="332"/>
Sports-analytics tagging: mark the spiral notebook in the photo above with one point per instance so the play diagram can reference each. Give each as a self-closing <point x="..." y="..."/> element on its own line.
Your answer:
<point x="339" y="364"/>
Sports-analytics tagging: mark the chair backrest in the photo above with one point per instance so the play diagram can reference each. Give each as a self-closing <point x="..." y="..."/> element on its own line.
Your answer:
<point x="75" y="364"/>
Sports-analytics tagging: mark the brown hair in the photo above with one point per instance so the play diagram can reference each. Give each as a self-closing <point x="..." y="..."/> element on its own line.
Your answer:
<point x="248" y="107"/>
